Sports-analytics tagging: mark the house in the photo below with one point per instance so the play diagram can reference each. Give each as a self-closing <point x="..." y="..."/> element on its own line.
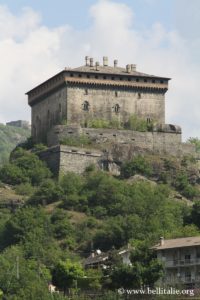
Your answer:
<point x="181" y="259"/>
<point x="102" y="260"/>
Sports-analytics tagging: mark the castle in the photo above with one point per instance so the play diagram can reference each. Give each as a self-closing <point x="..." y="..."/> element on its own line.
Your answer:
<point x="101" y="92"/>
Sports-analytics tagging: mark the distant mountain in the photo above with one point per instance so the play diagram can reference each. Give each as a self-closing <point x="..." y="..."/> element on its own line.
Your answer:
<point x="10" y="136"/>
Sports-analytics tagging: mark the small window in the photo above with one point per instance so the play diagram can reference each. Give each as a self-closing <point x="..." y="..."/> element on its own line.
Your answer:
<point x="161" y="81"/>
<point x="96" y="76"/>
<point x="86" y="91"/>
<point x="71" y="75"/>
<point x="148" y="120"/>
<point x="139" y="96"/>
<point x="129" y="79"/>
<point x="104" y="77"/>
<point x="86" y="106"/>
<point x="137" y="79"/>
<point x="88" y="76"/>
<point x="116" y="108"/>
<point x="120" y="78"/>
<point x="116" y="94"/>
<point x="153" y="81"/>
<point x="145" y="80"/>
<point x="79" y="75"/>
<point x="113" y="78"/>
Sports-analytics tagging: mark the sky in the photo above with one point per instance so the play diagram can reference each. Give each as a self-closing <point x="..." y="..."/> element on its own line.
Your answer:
<point x="39" y="38"/>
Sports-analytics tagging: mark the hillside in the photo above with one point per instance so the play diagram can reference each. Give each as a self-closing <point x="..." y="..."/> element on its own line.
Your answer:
<point x="9" y="137"/>
<point x="49" y="226"/>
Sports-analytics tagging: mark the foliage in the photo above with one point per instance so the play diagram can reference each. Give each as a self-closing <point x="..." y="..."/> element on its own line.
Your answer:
<point x="10" y="136"/>
<point x="66" y="274"/>
<point x="24" y="167"/>
<point x="76" y="141"/>
<point x="196" y="142"/>
<point x="48" y="192"/>
<point x="138" y="124"/>
<point x="138" y="165"/>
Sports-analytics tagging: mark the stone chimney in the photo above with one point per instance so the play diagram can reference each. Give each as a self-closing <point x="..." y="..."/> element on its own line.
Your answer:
<point x="97" y="66"/>
<point x="87" y="61"/>
<point x="115" y="63"/>
<point x="162" y="241"/>
<point x="105" y="61"/>
<point x="133" y="67"/>
<point x="128" y="68"/>
<point x="91" y="62"/>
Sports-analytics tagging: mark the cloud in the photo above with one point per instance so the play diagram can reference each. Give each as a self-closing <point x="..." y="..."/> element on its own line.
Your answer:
<point x="30" y="53"/>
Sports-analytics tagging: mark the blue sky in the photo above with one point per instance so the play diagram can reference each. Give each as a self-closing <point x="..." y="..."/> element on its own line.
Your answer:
<point x="59" y="12"/>
<point x="40" y="37"/>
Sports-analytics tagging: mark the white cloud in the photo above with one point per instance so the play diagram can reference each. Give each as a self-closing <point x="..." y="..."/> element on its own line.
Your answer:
<point x="31" y="52"/>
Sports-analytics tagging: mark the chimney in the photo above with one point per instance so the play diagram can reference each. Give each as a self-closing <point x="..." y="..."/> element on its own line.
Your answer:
<point x="97" y="66"/>
<point x="105" y="61"/>
<point x="91" y="62"/>
<point x="128" y="68"/>
<point x="133" y="67"/>
<point x="115" y="63"/>
<point x="162" y="241"/>
<point x="87" y="63"/>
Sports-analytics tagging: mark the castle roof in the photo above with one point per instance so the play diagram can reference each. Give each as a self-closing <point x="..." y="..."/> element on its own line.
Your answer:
<point x="112" y="71"/>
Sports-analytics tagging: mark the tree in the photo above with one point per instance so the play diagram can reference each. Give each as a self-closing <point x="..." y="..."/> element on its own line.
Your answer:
<point x="66" y="274"/>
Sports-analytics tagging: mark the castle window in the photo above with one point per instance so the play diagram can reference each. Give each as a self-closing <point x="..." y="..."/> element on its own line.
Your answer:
<point x="86" y="106"/>
<point x="137" y="79"/>
<point x="145" y="80"/>
<point x="161" y="81"/>
<point x="120" y="78"/>
<point x="148" y="120"/>
<point x="113" y="78"/>
<point x="116" y="94"/>
<point x="129" y="79"/>
<point x="79" y="75"/>
<point x="104" y="77"/>
<point x="88" y="76"/>
<point x="139" y="96"/>
<point x="116" y="108"/>
<point x="153" y="81"/>
<point x="86" y="91"/>
<point x="71" y="75"/>
<point x="96" y="76"/>
<point x="60" y="108"/>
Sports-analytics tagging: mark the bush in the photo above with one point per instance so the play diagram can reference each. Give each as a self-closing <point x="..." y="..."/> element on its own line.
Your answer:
<point x="139" y="165"/>
<point x="12" y="174"/>
<point x="24" y="189"/>
<point x="76" y="141"/>
<point x="137" y="124"/>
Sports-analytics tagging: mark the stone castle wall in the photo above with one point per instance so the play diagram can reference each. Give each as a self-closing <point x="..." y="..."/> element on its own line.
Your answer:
<point x="47" y="113"/>
<point x="155" y="142"/>
<point x="113" y="103"/>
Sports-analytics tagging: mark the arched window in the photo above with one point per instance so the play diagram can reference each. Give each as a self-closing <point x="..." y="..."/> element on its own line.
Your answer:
<point x="116" y="108"/>
<point x="86" y="105"/>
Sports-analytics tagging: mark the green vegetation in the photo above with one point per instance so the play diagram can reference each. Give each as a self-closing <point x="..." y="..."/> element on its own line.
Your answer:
<point x="47" y="237"/>
<point x="9" y="137"/>
<point x="134" y="123"/>
<point x="78" y="141"/>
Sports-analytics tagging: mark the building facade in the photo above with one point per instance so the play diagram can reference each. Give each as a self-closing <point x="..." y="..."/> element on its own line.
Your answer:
<point x="181" y="260"/>
<point x="96" y="91"/>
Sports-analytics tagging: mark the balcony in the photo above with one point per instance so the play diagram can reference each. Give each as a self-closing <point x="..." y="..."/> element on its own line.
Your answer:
<point x="182" y="262"/>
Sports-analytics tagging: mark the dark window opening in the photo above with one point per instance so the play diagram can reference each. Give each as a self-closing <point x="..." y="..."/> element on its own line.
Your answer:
<point x="161" y="81"/>
<point x="72" y="75"/>
<point x="139" y="96"/>
<point x="79" y="75"/>
<point x="86" y="106"/>
<point x="104" y="77"/>
<point x="129" y="79"/>
<point x="96" y="77"/>
<point x="148" y="120"/>
<point x="86" y="91"/>
<point x="137" y="79"/>
<point x="145" y="80"/>
<point x="116" y="94"/>
<point x="113" y="78"/>
<point x="116" y="108"/>
<point x="88" y="76"/>
<point x="120" y="78"/>
<point x="153" y="81"/>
